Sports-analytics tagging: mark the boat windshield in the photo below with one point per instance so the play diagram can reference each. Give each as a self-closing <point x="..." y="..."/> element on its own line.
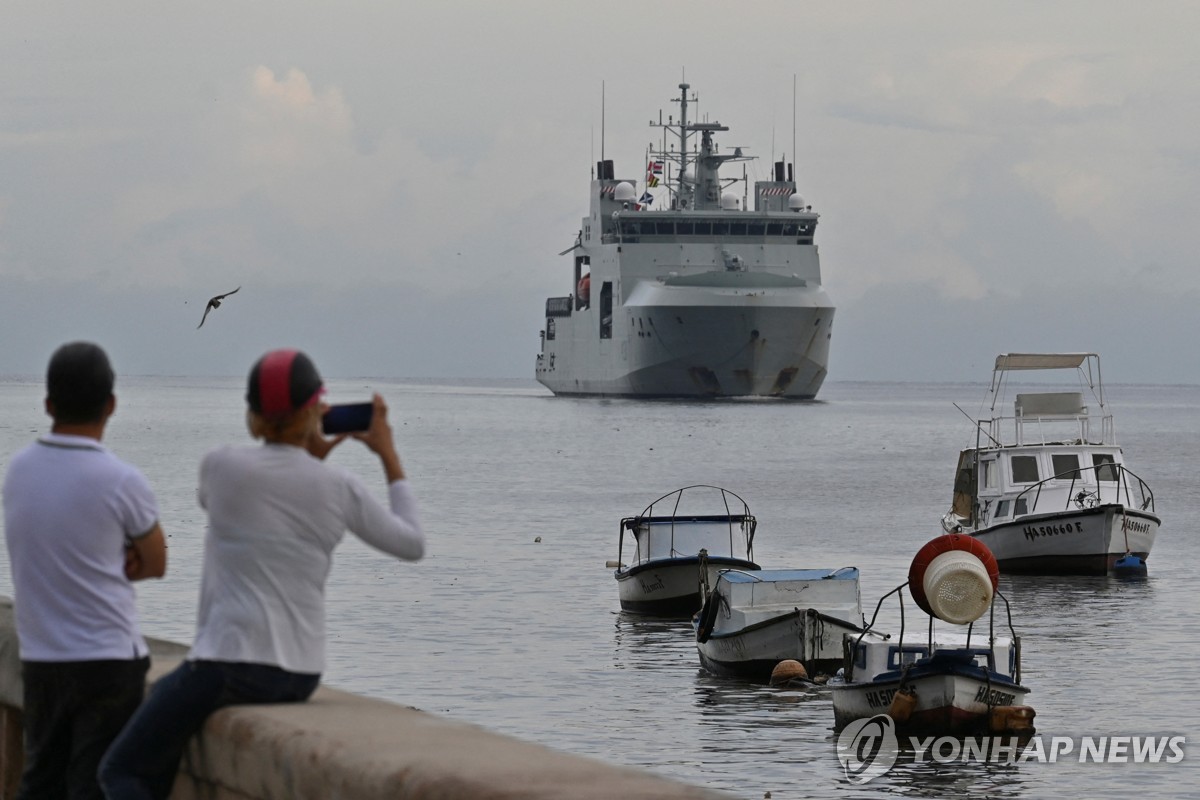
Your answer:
<point x="680" y="538"/>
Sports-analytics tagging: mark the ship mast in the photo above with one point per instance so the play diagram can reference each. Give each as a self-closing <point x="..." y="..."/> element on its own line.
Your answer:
<point x="685" y="192"/>
<point x="700" y="189"/>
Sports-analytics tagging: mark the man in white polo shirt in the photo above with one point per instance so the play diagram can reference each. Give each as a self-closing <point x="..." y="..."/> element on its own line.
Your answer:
<point x="80" y="525"/>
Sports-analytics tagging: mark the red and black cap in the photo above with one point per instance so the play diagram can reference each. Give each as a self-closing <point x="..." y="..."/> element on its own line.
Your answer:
<point x="282" y="382"/>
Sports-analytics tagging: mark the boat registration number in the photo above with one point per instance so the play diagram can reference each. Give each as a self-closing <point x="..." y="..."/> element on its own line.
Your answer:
<point x="1032" y="532"/>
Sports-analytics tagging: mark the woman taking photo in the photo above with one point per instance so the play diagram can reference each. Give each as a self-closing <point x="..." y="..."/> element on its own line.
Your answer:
<point x="275" y="514"/>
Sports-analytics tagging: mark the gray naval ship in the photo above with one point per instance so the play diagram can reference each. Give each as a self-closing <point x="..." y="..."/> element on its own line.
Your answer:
<point x="681" y="290"/>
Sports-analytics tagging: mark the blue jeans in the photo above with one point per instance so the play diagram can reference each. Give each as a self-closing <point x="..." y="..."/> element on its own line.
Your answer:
<point x="142" y="762"/>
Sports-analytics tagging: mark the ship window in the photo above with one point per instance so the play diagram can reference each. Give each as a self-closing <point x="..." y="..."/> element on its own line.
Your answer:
<point x="1002" y="508"/>
<point x="737" y="229"/>
<point x="665" y="228"/>
<point x="983" y="658"/>
<point x="704" y="229"/>
<point x="756" y="228"/>
<point x="1106" y="468"/>
<point x="1024" y="469"/>
<point x="606" y="310"/>
<point x="1066" y="466"/>
<point x="1021" y="507"/>
<point x="549" y="328"/>
<point x="774" y="229"/>
<point x="720" y="229"/>
<point x="987" y="479"/>
<point x="685" y="228"/>
<point x="909" y="655"/>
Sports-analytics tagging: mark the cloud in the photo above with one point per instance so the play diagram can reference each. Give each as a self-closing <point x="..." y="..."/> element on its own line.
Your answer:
<point x="975" y="153"/>
<point x="282" y="185"/>
<point x="288" y="128"/>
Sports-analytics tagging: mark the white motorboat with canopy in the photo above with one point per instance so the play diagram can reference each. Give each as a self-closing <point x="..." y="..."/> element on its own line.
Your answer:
<point x="1046" y="487"/>
<point x="676" y="547"/>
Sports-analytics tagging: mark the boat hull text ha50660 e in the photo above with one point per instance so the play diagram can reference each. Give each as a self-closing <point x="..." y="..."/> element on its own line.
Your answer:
<point x="681" y="291"/>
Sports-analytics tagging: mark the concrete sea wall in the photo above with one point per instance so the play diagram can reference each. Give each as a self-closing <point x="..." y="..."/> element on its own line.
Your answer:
<point x="340" y="746"/>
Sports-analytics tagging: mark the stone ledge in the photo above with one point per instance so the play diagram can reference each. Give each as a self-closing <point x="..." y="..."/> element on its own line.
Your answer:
<point x="341" y="746"/>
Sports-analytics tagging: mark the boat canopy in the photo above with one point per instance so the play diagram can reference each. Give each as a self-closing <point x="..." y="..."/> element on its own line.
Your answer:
<point x="1011" y="361"/>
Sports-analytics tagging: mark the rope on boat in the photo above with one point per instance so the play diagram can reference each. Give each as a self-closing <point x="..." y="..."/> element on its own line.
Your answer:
<point x="812" y="632"/>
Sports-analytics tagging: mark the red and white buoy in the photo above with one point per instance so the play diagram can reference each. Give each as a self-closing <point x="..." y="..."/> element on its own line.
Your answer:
<point x="953" y="578"/>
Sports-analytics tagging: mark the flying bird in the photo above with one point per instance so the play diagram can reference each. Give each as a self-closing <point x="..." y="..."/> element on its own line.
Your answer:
<point x="214" y="303"/>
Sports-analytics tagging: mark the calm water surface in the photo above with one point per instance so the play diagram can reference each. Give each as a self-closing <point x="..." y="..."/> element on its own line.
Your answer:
<point x="525" y="637"/>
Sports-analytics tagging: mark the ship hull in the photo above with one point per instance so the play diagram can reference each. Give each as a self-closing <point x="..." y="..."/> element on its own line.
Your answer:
<point x="802" y="634"/>
<point x="946" y="704"/>
<point x="671" y="587"/>
<point x="1081" y="542"/>
<point x="685" y="344"/>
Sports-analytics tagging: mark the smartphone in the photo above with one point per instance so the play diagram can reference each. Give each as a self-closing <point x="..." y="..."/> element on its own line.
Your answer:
<point x="348" y="418"/>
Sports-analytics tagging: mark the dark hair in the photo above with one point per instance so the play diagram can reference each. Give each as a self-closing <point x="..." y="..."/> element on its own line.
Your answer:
<point x="79" y="382"/>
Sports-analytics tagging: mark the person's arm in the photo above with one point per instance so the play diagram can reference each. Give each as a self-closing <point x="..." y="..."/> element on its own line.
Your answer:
<point x="398" y="532"/>
<point x="146" y="556"/>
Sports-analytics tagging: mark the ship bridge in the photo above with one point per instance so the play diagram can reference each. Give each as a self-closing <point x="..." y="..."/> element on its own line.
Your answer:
<point x="700" y="227"/>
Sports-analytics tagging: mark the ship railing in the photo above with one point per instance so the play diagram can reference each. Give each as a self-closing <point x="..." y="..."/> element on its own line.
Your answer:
<point x="1124" y="486"/>
<point x="1052" y="428"/>
<point x="686" y="533"/>
<point x="851" y="643"/>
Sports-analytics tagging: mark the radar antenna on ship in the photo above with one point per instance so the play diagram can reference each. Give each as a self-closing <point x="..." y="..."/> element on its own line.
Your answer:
<point x="697" y="184"/>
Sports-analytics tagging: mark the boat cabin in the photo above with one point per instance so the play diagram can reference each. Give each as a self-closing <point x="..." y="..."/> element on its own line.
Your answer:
<point x="1051" y="455"/>
<point x="754" y="596"/>
<point x="997" y="484"/>
<point x="885" y="660"/>
<point x="658" y="538"/>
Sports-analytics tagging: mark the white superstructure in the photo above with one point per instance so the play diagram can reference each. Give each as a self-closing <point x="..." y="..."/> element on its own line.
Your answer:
<point x="679" y="290"/>
<point x="1047" y="488"/>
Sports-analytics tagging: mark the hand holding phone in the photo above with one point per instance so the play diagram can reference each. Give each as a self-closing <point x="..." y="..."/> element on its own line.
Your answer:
<point x="347" y="418"/>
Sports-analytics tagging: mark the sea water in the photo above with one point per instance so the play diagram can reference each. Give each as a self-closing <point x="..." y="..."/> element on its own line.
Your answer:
<point x="512" y="621"/>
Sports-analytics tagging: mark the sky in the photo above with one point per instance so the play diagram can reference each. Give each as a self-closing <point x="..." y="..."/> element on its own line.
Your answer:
<point x="390" y="183"/>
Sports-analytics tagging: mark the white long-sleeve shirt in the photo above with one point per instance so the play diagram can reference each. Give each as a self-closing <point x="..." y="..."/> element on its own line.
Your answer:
<point x="275" y="515"/>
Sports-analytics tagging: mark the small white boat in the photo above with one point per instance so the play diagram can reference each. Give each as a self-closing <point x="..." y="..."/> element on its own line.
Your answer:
<point x="679" y="543"/>
<point x="753" y="619"/>
<point x="946" y="682"/>
<point x="1047" y="489"/>
<point x="952" y="683"/>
